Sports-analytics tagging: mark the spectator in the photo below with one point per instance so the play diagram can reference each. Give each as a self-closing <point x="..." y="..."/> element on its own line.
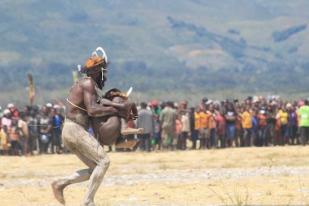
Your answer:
<point x="14" y="111"/>
<point x="212" y="125"/>
<point x="24" y="133"/>
<point x="292" y="124"/>
<point x="4" y="141"/>
<point x="271" y="125"/>
<point x="304" y="122"/>
<point x="178" y="130"/>
<point x="282" y="118"/>
<point x="221" y="126"/>
<point x="202" y="119"/>
<point x="57" y="120"/>
<point x="146" y="121"/>
<point x="262" y="119"/>
<point x="168" y="125"/>
<point x="193" y="128"/>
<point x="6" y="120"/>
<point x="45" y="130"/>
<point x="33" y="128"/>
<point x="246" y="121"/>
<point x="255" y="128"/>
<point x="185" y="130"/>
<point x="230" y="117"/>
<point x="156" y="111"/>
<point x="14" y="137"/>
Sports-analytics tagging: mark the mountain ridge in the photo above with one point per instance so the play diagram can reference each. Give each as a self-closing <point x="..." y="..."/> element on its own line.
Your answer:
<point x="260" y="46"/>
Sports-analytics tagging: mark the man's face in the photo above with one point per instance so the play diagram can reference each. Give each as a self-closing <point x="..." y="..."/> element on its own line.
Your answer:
<point x="97" y="77"/>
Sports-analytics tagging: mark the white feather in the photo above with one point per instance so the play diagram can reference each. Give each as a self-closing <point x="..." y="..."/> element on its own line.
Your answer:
<point x="79" y="67"/>
<point x="129" y="91"/>
<point x="103" y="53"/>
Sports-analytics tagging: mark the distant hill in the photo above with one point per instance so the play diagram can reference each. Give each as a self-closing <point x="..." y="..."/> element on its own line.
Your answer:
<point x="183" y="48"/>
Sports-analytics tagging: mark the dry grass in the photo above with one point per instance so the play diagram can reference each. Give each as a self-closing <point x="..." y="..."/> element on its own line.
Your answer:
<point x="25" y="180"/>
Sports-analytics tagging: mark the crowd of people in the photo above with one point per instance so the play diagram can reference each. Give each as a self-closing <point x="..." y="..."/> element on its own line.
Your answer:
<point x="255" y="121"/>
<point x="31" y="130"/>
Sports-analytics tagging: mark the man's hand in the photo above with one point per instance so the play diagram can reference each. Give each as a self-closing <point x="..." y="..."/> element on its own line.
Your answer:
<point x="134" y="111"/>
<point x="129" y="111"/>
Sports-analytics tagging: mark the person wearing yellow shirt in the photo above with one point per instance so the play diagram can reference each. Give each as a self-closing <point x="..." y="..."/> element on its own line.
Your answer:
<point x="246" y="122"/>
<point x="201" y="123"/>
<point x="303" y="113"/>
<point x="4" y="141"/>
<point x="282" y="118"/>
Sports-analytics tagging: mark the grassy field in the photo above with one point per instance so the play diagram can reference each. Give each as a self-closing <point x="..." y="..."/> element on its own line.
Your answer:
<point x="259" y="176"/>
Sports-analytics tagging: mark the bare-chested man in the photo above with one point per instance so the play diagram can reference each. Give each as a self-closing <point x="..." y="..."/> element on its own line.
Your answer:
<point x="82" y="104"/>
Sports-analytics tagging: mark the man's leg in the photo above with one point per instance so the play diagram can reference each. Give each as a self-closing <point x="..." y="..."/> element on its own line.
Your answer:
<point x="59" y="185"/>
<point x="147" y="142"/>
<point x="141" y="138"/>
<point x="95" y="158"/>
<point x="77" y="177"/>
<point x="306" y="135"/>
<point x="302" y="135"/>
<point x="95" y="153"/>
<point x="88" y="149"/>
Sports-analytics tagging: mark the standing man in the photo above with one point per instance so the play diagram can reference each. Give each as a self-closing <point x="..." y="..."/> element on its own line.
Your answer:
<point x="246" y="122"/>
<point x="185" y="131"/>
<point x="303" y="113"/>
<point x="33" y="128"/>
<point x="146" y="121"/>
<point x="168" y="124"/>
<point x="57" y="128"/>
<point x="45" y="130"/>
<point x="82" y="104"/>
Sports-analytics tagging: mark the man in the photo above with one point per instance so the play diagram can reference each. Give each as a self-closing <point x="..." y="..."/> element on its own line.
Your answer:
<point x="57" y="120"/>
<point x="303" y="113"/>
<point x="45" y="130"/>
<point x="183" y="112"/>
<point x="230" y="119"/>
<point x="262" y="119"/>
<point x="146" y="121"/>
<point x="82" y="103"/>
<point x="202" y="117"/>
<point x="212" y="125"/>
<point x="282" y="118"/>
<point x="33" y="128"/>
<point x="6" y="119"/>
<point x="292" y="124"/>
<point x="24" y="132"/>
<point x="246" y="122"/>
<point x="168" y="126"/>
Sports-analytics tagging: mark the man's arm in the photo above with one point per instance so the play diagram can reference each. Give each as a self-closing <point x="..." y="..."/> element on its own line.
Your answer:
<point x="126" y="107"/>
<point x="107" y="102"/>
<point x="93" y="108"/>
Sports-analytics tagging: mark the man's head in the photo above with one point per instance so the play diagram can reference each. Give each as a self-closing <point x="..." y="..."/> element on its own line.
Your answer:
<point x="143" y="105"/>
<point x="11" y="107"/>
<point x="96" y="67"/>
<point x="7" y="113"/>
<point x="170" y="104"/>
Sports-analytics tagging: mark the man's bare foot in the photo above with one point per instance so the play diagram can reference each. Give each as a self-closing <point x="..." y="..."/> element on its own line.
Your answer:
<point x="128" y="131"/>
<point x="58" y="192"/>
<point x="87" y="203"/>
<point x="140" y="131"/>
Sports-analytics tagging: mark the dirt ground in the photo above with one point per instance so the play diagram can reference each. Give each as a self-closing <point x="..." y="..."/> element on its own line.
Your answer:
<point x="259" y="176"/>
